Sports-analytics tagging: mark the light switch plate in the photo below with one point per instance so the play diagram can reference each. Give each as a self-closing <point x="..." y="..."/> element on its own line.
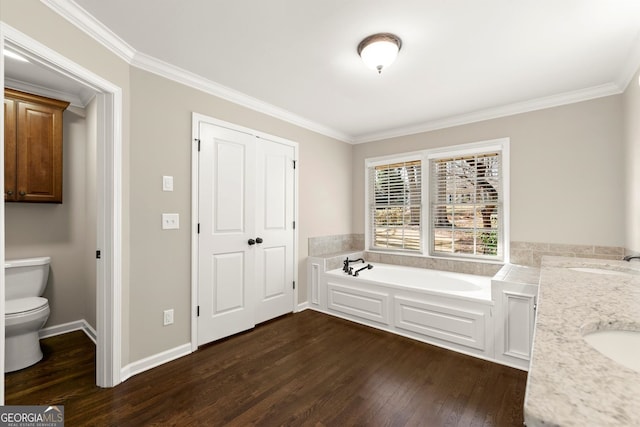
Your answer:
<point x="170" y="221"/>
<point x="167" y="183"/>
<point x="168" y="317"/>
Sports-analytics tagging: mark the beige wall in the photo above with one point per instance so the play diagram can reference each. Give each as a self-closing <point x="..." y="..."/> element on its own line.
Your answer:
<point x="61" y="231"/>
<point x="567" y="180"/>
<point x="632" y="163"/>
<point x="161" y="145"/>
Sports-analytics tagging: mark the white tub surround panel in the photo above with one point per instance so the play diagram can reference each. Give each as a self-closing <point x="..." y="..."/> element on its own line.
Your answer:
<point x="450" y="310"/>
<point x="570" y="383"/>
<point x="514" y="291"/>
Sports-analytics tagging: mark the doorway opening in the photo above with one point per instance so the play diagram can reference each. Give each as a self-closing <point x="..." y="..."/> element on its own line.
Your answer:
<point x="108" y="104"/>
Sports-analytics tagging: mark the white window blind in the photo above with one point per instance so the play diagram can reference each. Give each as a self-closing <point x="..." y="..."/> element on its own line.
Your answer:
<point x="395" y="210"/>
<point x="467" y="205"/>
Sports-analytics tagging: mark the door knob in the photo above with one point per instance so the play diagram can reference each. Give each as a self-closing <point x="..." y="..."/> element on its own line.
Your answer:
<point x="22" y="193"/>
<point x="251" y="242"/>
<point x="9" y="193"/>
<point x="259" y="240"/>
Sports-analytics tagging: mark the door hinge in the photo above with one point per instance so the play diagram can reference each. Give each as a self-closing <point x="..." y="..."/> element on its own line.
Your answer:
<point x="197" y="139"/>
<point x="294" y="164"/>
<point x="198" y="228"/>
<point x="98" y="254"/>
<point x="198" y="311"/>
<point x="294" y="225"/>
<point x="294" y="284"/>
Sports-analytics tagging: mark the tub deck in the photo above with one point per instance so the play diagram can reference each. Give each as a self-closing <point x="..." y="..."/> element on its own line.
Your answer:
<point x="456" y="285"/>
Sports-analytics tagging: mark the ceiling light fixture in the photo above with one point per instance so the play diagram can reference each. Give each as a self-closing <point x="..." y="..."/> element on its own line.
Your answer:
<point x="378" y="51"/>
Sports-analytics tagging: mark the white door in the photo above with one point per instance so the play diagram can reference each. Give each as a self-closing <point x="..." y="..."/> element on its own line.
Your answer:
<point x="226" y="288"/>
<point x="246" y="191"/>
<point x="274" y="229"/>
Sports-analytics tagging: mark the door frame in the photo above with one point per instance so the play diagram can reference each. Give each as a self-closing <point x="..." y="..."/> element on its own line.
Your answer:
<point x="196" y="119"/>
<point x="109" y="201"/>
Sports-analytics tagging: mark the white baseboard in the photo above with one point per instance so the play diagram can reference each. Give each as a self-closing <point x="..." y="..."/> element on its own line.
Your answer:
<point x="78" y="325"/>
<point x="302" y="307"/>
<point x="150" y="362"/>
<point x="132" y="368"/>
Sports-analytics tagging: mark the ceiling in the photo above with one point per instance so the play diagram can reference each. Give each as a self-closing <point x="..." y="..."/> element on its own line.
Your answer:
<point x="33" y="76"/>
<point x="461" y="60"/>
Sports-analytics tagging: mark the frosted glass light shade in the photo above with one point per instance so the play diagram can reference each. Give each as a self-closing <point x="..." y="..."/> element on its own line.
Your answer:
<point x="379" y="50"/>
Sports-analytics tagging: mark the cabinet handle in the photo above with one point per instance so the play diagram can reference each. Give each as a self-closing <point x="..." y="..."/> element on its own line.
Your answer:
<point x="22" y="193"/>
<point x="9" y="193"/>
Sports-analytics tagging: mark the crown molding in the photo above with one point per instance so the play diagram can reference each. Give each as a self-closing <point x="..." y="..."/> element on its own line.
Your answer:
<point x="495" y="113"/>
<point x="177" y="74"/>
<point x="79" y="17"/>
<point x="74" y="100"/>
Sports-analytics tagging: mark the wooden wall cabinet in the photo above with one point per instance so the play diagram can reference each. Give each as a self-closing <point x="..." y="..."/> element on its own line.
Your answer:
<point x="33" y="148"/>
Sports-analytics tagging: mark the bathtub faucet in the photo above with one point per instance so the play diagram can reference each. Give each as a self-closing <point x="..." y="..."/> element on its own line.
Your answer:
<point x="630" y="257"/>
<point x="366" y="267"/>
<point x="346" y="262"/>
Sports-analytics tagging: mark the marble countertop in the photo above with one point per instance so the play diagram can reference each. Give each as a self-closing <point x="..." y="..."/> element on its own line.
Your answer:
<point x="570" y="383"/>
<point x="518" y="274"/>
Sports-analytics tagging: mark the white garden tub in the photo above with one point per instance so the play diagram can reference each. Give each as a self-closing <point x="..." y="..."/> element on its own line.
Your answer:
<point x="458" y="285"/>
<point x="451" y="310"/>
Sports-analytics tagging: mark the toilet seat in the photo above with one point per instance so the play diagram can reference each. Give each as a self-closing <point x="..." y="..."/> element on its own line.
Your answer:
<point x="24" y="306"/>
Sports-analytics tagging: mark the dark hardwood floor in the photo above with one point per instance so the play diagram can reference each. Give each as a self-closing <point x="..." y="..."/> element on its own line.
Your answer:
<point x="300" y="369"/>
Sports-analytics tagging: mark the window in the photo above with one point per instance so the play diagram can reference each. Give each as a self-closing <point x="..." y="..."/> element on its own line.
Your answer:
<point x="464" y="189"/>
<point x="466" y="205"/>
<point x="395" y="196"/>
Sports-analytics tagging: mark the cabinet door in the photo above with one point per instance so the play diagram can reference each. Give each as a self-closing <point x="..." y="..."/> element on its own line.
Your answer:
<point x="39" y="166"/>
<point x="9" y="150"/>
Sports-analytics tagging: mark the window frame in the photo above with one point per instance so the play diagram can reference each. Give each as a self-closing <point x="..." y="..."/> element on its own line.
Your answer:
<point x="386" y="160"/>
<point x="501" y="145"/>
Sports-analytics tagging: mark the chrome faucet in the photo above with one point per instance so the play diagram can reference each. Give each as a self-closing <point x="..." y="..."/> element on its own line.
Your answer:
<point x="630" y="257"/>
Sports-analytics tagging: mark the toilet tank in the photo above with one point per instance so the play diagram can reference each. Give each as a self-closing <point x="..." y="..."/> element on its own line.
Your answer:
<point x="26" y="277"/>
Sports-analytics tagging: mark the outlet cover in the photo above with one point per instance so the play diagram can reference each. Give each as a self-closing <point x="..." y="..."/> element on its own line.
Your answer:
<point x="170" y="221"/>
<point x="168" y="317"/>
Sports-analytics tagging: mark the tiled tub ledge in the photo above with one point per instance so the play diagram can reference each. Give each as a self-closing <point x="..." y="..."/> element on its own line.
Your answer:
<point x="335" y="260"/>
<point x="570" y="383"/>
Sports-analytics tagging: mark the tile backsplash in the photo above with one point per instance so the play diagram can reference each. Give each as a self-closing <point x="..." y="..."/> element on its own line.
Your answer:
<point x="326" y="245"/>
<point x="521" y="253"/>
<point x="531" y="253"/>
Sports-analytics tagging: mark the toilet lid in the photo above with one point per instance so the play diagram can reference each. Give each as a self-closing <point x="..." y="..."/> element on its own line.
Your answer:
<point x="20" y="305"/>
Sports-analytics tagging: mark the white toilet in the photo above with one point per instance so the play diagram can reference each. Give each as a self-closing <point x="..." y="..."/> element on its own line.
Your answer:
<point x="25" y="311"/>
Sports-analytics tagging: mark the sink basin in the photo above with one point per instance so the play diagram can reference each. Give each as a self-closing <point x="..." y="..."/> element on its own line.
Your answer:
<point x="620" y="346"/>
<point x="595" y="270"/>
